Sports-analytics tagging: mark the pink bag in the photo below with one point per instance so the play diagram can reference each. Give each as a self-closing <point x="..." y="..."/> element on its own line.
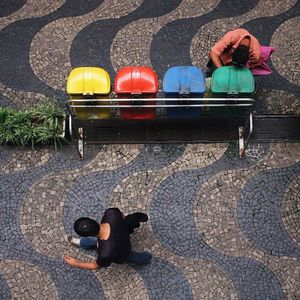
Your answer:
<point x="263" y="68"/>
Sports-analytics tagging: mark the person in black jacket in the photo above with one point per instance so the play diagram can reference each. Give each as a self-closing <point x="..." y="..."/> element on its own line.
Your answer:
<point x="111" y="238"/>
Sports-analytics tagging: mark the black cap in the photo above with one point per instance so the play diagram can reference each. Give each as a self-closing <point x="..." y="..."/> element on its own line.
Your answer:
<point x="86" y="227"/>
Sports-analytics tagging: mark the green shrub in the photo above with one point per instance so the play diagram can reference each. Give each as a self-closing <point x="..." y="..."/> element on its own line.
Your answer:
<point x="42" y="124"/>
<point x="15" y="128"/>
<point x="48" y="111"/>
<point x="3" y="114"/>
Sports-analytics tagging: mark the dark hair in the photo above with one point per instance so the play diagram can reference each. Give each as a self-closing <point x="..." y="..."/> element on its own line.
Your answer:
<point x="240" y="56"/>
<point x="86" y="227"/>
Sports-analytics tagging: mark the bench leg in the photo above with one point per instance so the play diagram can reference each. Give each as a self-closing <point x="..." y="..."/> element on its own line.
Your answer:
<point x="80" y="142"/>
<point x="70" y="126"/>
<point x="242" y="143"/>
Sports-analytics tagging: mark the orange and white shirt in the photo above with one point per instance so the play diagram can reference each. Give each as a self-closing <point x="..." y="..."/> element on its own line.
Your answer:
<point x="231" y="40"/>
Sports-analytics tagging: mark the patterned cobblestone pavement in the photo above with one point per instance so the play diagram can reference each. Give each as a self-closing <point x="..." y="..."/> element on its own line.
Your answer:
<point x="219" y="228"/>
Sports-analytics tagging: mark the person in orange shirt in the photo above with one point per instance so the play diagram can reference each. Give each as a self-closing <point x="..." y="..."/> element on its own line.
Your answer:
<point x="237" y="47"/>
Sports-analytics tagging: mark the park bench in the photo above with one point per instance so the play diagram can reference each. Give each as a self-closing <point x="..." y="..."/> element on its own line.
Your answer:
<point x="186" y="110"/>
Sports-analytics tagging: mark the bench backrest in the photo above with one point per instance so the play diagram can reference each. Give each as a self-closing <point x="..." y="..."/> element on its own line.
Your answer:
<point x="183" y="82"/>
<point x="89" y="83"/>
<point x="134" y="83"/>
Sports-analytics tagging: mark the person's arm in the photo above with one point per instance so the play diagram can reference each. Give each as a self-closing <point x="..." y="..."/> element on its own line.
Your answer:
<point x="215" y="59"/>
<point x="255" y="59"/>
<point x="255" y="55"/>
<point x="220" y="46"/>
<point x="81" y="264"/>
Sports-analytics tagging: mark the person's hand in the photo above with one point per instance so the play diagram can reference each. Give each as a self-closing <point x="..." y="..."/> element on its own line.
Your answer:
<point x="70" y="260"/>
<point x="81" y="264"/>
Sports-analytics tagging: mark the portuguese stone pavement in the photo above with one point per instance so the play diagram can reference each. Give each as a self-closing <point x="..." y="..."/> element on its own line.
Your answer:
<point x="220" y="227"/>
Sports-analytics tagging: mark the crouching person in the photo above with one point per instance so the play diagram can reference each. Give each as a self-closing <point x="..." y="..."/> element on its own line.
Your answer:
<point x="237" y="47"/>
<point x="111" y="239"/>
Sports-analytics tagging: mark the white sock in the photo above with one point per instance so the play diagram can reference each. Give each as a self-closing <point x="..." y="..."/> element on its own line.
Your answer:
<point x="75" y="241"/>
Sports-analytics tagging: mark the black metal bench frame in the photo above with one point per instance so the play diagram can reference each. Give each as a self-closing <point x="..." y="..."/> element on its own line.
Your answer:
<point x="77" y="127"/>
